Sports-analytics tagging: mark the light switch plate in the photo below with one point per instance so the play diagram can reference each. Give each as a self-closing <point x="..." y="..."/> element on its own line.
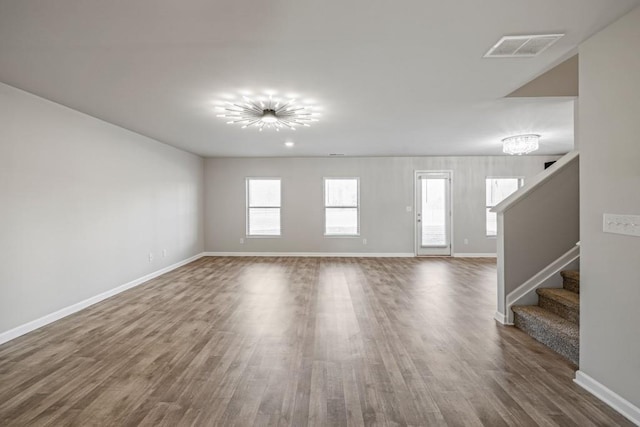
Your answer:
<point x="621" y="224"/>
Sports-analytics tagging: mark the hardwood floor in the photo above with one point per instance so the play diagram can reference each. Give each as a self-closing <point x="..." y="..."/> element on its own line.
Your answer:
<point x="295" y="341"/>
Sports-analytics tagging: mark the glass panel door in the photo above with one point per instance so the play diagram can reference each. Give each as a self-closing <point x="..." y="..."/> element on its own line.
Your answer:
<point x="433" y="213"/>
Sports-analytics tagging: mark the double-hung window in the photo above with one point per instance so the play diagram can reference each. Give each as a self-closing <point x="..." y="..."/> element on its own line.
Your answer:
<point x="498" y="189"/>
<point x="263" y="207"/>
<point x="341" y="207"/>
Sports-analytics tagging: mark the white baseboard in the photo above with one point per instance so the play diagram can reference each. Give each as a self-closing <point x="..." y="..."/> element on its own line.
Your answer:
<point x="501" y="318"/>
<point x="608" y="396"/>
<point x="474" y="255"/>
<point x="343" y="254"/>
<point x="315" y="254"/>
<point x="57" y="315"/>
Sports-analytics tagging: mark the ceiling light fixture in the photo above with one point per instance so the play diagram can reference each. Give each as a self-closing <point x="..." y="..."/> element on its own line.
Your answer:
<point x="520" y="144"/>
<point x="269" y="113"/>
<point x="289" y="144"/>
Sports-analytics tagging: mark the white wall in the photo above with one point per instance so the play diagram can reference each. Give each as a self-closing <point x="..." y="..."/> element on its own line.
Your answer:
<point x="386" y="189"/>
<point x="609" y="125"/>
<point x="82" y="203"/>
<point x="546" y="220"/>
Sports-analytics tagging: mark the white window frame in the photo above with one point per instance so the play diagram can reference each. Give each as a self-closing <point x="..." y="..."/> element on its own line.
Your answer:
<point x="325" y="207"/>
<point x="247" y="208"/>
<point x="520" y="185"/>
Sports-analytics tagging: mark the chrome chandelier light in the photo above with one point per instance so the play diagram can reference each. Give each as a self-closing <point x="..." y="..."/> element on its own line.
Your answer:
<point x="268" y="113"/>
<point x="520" y="144"/>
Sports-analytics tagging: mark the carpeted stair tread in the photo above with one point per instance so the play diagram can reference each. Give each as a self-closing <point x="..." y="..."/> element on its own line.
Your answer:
<point x="571" y="280"/>
<point x="561" y="302"/>
<point x="561" y="295"/>
<point x="573" y="274"/>
<point x="557" y="333"/>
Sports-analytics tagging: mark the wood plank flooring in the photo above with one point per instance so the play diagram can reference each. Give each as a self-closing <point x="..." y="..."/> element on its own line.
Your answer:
<point x="295" y="341"/>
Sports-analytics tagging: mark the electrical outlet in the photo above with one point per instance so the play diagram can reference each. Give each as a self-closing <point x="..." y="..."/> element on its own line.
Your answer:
<point x="466" y="241"/>
<point x="409" y="208"/>
<point x="150" y="256"/>
<point x="241" y="241"/>
<point x="364" y="241"/>
<point x="164" y="253"/>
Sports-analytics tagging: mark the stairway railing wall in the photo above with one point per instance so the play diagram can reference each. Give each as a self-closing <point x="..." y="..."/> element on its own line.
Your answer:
<point x="536" y="226"/>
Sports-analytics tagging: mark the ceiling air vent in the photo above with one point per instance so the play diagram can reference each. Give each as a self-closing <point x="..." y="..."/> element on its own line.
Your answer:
<point x="522" y="46"/>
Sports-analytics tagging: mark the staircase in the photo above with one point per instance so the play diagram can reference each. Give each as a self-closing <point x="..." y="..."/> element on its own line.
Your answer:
<point x="555" y="320"/>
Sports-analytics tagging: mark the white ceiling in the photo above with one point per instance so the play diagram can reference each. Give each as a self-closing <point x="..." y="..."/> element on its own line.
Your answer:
<point x="394" y="77"/>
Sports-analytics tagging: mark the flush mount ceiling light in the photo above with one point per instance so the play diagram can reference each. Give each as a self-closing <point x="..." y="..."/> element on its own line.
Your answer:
<point x="520" y="144"/>
<point x="268" y="112"/>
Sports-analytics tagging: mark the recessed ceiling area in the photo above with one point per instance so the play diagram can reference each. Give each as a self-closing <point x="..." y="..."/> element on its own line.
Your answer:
<point x="394" y="79"/>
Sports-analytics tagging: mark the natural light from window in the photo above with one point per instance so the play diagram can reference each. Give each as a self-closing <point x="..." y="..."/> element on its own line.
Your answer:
<point x="341" y="202"/>
<point x="263" y="206"/>
<point x="498" y="189"/>
<point x="434" y="211"/>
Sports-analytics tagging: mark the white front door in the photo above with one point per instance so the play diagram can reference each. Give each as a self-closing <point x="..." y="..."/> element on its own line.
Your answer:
<point x="433" y="213"/>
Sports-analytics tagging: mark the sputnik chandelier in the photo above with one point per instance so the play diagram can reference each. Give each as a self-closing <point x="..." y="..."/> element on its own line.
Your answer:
<point x="268" y="112"/>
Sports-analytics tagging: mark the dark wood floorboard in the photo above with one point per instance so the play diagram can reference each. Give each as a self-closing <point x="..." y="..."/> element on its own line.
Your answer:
<point x="295" y="342"/>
